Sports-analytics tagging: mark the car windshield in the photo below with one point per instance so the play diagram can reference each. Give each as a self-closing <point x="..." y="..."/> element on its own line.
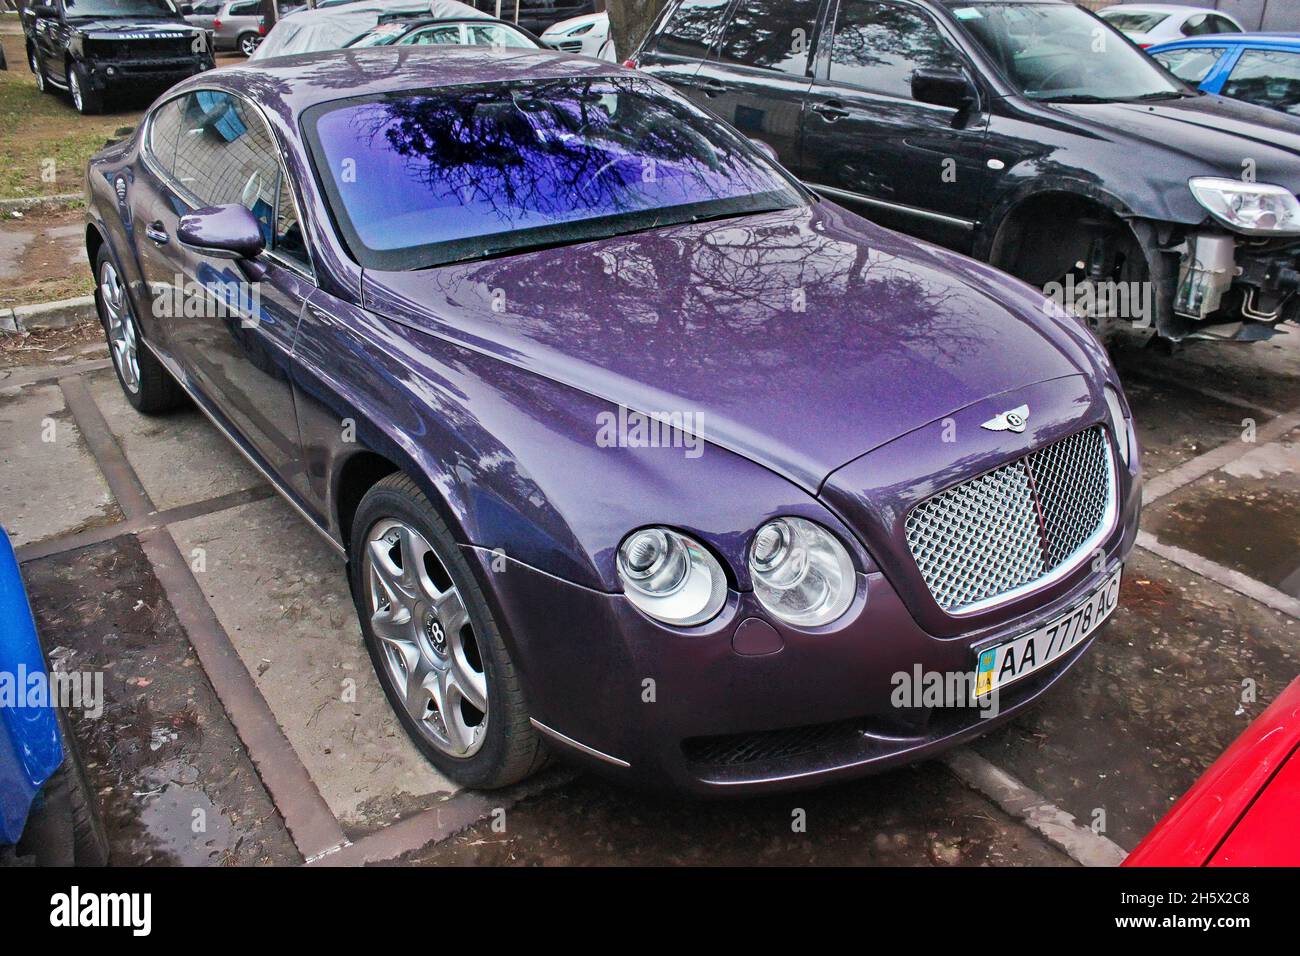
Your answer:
<point x="1134" y="22"/>
<point x="119" y="8"/>
<point x="1061" y="53"/>
<point x="424" y="178"/>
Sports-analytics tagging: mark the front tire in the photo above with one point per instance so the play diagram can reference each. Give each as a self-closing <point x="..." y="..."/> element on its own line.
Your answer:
<point x="87" y="101"/>
<point x="434" y="644"/>
<point x="148" y="386"/>
<point x="247" y="43"/>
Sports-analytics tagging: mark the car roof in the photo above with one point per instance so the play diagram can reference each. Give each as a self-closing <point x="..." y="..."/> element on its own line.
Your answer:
<point x="1156" y="8"/>
<point x="289" y="85"/>
<point x="1231" y="39"/>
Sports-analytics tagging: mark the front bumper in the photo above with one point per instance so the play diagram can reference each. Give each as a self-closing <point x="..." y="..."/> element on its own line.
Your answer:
<point x="112" y="75"/>
<point x="687" y="711"/>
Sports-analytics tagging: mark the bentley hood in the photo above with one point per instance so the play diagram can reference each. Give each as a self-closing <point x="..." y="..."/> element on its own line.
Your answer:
<point x="800" y="339"/>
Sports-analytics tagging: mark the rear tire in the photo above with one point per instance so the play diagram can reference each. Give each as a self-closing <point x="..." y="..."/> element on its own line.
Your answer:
<point x="148" y="386"/>
<point x="42" y="83"/>
<point x="247" y="43"/>
<point x="405" y="568"/>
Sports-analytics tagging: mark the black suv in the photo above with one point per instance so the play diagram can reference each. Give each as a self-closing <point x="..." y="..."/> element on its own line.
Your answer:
<point x="95" y="47"/>
<point x="1027" y="133"/>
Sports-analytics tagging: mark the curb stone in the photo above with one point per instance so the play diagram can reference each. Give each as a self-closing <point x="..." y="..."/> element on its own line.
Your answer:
<point x="48" y="315"/>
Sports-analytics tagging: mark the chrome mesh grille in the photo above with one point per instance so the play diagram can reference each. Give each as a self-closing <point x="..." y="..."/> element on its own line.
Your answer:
<point x="1012" y="527"/>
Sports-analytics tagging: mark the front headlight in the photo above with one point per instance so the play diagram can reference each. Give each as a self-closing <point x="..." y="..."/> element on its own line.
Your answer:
<point x="1117" y="421"/>
<point x="802" y="574"/>
<point x="580" y="30"/>
<point x="670" y="577"/>
<point x="1256" y="209"/>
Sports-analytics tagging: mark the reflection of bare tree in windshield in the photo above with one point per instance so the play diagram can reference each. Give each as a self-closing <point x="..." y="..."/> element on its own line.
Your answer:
<point x="443" y="167"/>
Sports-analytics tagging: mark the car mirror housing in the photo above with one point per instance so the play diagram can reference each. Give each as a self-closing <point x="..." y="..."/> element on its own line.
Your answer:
<point x="227" y="232"/>
<point x="951" y="88"/>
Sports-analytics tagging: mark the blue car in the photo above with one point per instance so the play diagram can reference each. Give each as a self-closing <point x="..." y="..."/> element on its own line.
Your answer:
<point x="47" y="815"/>
<point x="1259" y="68"/>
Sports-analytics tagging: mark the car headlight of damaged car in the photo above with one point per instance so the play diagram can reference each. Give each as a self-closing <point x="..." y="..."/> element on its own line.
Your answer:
<point x="801" y="572"/>
<point x="1255" y="209"/>
<point x="671" y="577"/>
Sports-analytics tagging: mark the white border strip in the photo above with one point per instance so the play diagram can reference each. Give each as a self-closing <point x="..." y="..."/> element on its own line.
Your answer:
<point x="1033" y="810"/>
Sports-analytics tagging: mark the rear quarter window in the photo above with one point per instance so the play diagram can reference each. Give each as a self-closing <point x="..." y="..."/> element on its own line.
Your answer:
<point x="772" y="34"/>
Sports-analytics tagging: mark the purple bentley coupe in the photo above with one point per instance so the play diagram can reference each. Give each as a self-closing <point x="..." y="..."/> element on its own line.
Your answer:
<point x="636" y="451"/>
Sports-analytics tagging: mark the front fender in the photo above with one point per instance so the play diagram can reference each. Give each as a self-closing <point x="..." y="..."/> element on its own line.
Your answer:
<point x="516" y="461"/>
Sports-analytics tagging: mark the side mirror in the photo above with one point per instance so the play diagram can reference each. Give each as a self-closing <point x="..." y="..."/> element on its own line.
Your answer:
<point x="227" y="232"/>
<point x="950" y="88"/>
<point x="765" y="149"/>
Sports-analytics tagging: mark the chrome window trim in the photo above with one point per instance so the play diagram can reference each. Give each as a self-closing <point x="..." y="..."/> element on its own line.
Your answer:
<point x="307" y="271"/>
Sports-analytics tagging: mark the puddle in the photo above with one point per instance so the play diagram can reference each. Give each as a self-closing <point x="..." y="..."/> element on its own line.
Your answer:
<point x="178" y="818"/>
<point x="1251" y="525"/>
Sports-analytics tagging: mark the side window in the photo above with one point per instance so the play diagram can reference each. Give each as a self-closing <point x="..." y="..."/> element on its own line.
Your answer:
<point x="1190" y="66"/>
<point x="1267" y="77"/>
<point x="879" y="45"/>
<point x="226" y="154"/>
<point x="1223" y="25"/>
<point x="433" y="36"/>
<point x="164" y="126"/>
<point x="244" y="9"/>
<point x="692" y="28"/>
<point x="776" y="34"/>
<point x="1201" y="24"/>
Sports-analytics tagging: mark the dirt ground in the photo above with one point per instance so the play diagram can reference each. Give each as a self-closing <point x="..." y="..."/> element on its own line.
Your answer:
<point x="43" y="256"/>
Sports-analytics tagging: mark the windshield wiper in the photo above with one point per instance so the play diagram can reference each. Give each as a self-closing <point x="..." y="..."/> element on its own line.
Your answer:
<point x="1076" y="98"/>
<point x="1160" y="95"/>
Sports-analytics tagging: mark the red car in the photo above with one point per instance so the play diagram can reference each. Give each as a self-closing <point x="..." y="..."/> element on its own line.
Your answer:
<point x="1242" y="811"/>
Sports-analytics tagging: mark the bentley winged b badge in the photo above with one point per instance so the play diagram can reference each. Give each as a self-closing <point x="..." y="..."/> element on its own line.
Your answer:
<point x="1012" y="420"/>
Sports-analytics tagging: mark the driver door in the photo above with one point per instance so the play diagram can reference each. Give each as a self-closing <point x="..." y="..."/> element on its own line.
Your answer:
<point x="914" y="166"/>
<point x="232" y="336"/>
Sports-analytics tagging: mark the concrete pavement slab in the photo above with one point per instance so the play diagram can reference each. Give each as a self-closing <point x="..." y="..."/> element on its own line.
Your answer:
<point x="280" y="593"/>
<point x="49" y="482"/>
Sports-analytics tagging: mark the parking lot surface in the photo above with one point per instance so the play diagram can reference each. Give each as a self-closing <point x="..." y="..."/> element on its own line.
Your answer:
<point x="238" y="690"/>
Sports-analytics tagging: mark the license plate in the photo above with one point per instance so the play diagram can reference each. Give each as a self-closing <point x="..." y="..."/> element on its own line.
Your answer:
<point x="1001" y="664"/>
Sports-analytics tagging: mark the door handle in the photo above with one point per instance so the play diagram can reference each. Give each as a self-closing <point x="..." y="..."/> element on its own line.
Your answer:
<point x="830" y="111"/>
<point x="156" y="232"/>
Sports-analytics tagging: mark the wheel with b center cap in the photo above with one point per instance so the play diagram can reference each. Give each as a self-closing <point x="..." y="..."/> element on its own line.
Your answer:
<point x="434" y="645"/>
<point x="148" y="386"/>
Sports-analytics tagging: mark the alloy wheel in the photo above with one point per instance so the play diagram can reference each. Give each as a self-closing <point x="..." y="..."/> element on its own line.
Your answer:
<point x="120" y="326"/>
<point x="247" y="46"/>
<point x="428" y="642"/>
<point x="74" y="86"/>
<point x="40" y="75"/>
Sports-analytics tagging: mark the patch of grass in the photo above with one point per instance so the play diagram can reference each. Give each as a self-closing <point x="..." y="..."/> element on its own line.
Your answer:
<point x="37" y="128"/>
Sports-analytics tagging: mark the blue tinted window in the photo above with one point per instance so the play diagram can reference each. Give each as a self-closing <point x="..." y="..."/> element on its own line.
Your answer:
<point x="419" y="179"/>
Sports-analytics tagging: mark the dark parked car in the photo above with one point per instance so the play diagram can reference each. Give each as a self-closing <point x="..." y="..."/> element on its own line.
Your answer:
<point x="630" y="443"/>
<point x="536" y="15"/>
<point x="1027" y="133"/>
<point x="94" y="48"/>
